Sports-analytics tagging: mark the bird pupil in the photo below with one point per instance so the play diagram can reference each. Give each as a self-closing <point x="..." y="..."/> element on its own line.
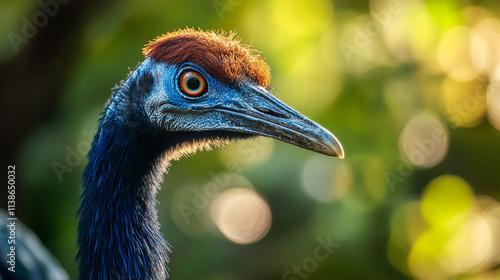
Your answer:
<point x="193" y="83"/>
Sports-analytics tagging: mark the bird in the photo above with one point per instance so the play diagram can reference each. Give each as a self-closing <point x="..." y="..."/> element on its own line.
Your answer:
<point x="22" y="254"/>
<point x="194" y="90"/>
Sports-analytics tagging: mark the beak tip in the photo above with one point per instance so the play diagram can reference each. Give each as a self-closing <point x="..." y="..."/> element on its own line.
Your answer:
<point x="337" y="151"/>
<point x="334" y="148"/>
<point x="341" y="155"/>
<point x="341" y="152"/>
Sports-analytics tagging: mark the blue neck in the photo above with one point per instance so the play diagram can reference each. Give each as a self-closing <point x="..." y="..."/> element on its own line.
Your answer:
<point x="118" y="232"/>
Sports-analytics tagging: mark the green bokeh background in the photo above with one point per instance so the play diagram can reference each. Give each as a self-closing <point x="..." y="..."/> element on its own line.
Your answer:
<point x="391" y="217"/>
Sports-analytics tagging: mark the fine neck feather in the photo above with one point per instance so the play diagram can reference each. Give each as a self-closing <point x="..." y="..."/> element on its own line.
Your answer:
<point x="118" y="232"/>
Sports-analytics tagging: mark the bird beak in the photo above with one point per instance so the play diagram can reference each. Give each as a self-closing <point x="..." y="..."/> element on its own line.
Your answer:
<point x="262" y="114"/>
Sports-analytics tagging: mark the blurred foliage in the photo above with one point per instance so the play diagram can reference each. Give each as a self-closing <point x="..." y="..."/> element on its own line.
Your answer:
<point x="410" y="88"/>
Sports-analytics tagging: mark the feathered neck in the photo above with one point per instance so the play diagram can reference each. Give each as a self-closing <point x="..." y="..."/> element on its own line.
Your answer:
<point x="118" y="232"/>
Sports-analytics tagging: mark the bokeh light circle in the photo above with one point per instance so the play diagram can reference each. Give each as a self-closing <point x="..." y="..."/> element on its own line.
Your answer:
<point x="445" y="197"/>
<point x="462" y="53"/>
<point x="469" y="246"/>
<point x="241" y="215"/>
<point x="464" y="103"/>
<point x="326" y="180"/>
<point x="424" y="140"/>
<point x="493" y="103"/>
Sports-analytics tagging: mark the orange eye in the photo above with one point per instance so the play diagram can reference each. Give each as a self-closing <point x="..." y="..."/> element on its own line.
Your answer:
<point x="193" y="83"/>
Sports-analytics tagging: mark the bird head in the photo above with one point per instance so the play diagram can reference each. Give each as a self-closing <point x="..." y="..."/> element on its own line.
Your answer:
<point x="207" y="82"/>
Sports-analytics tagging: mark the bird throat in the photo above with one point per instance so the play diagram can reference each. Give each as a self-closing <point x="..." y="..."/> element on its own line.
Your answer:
<point x="118" y="232"/>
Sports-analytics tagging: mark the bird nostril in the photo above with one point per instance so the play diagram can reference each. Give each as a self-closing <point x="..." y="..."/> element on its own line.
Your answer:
<point x="271" y="112"/>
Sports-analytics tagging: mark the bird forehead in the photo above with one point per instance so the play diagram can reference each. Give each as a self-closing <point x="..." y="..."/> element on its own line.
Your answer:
<point x="221" y="56"/>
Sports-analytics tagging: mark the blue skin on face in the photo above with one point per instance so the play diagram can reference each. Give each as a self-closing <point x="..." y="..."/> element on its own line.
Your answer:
<point x="239" y="107"/>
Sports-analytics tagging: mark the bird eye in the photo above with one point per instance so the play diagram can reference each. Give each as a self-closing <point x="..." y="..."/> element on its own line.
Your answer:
<point x="193" y="83"/>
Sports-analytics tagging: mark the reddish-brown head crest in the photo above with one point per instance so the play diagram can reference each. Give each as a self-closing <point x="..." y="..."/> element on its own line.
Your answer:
<point x="221" y="56"/>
